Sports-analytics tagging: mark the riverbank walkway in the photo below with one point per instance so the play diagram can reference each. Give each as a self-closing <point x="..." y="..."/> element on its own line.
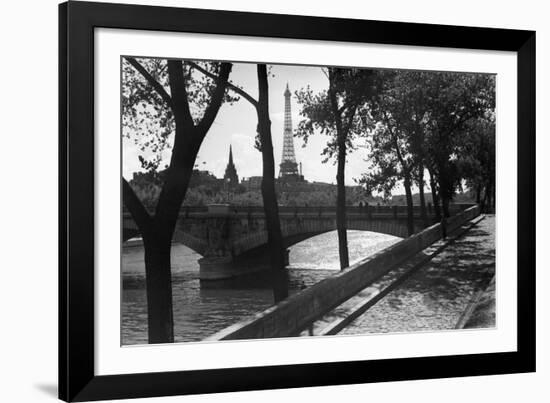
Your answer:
<point x="446" y="286"/>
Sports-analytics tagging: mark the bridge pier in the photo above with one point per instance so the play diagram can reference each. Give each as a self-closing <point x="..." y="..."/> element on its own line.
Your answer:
<point x="216" y="268"/>
<point x="224" y="267"/>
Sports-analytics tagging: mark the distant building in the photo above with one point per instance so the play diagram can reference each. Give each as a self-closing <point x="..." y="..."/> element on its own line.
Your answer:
<point x="204" y="178"/>
<point x="230" y="178"/>
<point x="252" y="183"/>
<point x="288" y="169"/>
<point x="322" y="185"/>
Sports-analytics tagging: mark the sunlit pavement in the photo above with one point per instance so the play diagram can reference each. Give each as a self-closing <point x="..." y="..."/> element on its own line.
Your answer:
<point x="436" y="297"/>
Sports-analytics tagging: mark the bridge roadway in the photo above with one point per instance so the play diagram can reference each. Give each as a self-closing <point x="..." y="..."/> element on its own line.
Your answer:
<point x="223" y="233"/>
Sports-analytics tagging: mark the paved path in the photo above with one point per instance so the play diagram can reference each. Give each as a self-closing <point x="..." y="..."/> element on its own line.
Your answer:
<point x="435" y="297"/>
<point x="482" y="312"/>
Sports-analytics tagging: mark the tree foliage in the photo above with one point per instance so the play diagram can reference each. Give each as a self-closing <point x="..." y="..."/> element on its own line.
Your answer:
<point x="148" y="117"/>
<point x="454" y="100"/>
<point x="350" y="89"/>
<point x="429" y="120"/>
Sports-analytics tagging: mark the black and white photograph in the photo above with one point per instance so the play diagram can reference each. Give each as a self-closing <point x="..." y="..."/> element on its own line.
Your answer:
<point x="289" y="201"/>
<point x="276" y="200"/>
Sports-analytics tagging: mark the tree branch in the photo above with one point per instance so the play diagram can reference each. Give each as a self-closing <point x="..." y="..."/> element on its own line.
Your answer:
<point x="182" y="112"/>
<point x="135" y="207"/>
<point x="216" y="99"/>
<point x="341" y="109"/>
<point x="334" y="108"/>
<point x="394" y="128"/>
<point x="350" y="118"/>
<point x="230" y="85"/>
<point x="154" y="83"/>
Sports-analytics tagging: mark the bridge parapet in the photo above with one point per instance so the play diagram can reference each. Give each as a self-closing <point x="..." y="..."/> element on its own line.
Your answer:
<point x="401" y="211"/>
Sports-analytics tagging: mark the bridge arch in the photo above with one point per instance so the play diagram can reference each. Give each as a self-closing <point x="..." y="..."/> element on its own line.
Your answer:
<point x="301" y="228"/>
<point x="197" y="244"/>
<point x="192" y="242"/>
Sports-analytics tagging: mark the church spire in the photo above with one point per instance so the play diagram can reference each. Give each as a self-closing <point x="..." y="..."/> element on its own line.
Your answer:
<point x="231" y="178"/>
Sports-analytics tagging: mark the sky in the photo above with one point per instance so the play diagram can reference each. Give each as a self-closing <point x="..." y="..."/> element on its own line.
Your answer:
<point x="235" y="125"/>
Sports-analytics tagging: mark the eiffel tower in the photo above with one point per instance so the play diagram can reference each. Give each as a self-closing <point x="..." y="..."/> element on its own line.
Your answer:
<point x="288" y="169"/>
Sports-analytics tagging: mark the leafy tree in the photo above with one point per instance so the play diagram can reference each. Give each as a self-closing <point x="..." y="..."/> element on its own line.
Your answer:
<point x="396" y="142"/>
<point x="476" y="152"/>
<point x="422" y="118"/>
<point x="435" y="193"/>
<point x="453" y="100"/>
<point x="166" y="107"/>
<point x="336" y="112"/>
<point x="416" y="97"/>
<point x="397" y="150"/>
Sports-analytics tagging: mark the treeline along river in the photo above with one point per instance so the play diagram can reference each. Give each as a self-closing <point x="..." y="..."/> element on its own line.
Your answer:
<point x="203" y="308"/>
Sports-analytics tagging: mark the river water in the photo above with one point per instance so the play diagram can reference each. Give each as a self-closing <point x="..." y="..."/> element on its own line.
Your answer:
<point x="203" y="308"/>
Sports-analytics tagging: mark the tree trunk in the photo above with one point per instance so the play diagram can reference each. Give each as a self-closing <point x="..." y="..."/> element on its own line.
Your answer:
<point x="341" y="204"/>
<point x="445" y="203"/>
<point x="341" y="134"/>
<point x="159" y="288"/>
<point x="271" y="208"/>
<point x="435" y="196"/>
<point x="478" y="193"/>
<point x="490" y="199"/>
<point x="406" y="169"/>
<point x="279" y="281"/>
<point x="157" y="231"/>
<point x="410" y="212"/>
<point x="446" y="190"/>
<point x="157" y="237"/>
<point x="157" y="244"/>
<point x="423" y="211"/>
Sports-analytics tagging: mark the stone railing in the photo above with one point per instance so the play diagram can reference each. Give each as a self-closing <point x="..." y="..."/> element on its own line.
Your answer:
<point x="373" y="209"/>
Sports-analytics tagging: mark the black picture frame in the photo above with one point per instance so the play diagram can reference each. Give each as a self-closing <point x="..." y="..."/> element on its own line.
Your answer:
<point x="77" y="379"/>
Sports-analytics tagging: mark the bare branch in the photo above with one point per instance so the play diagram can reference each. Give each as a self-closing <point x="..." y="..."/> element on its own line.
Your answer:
<point x="216" y="99"/>
<point x="230" y="85"/>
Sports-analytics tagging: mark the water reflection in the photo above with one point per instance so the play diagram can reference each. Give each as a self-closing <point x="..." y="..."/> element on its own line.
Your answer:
<point x="202" y="308"/>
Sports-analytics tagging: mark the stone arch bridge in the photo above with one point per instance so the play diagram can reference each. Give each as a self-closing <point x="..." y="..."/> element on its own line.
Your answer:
<point x="223" y="233"/>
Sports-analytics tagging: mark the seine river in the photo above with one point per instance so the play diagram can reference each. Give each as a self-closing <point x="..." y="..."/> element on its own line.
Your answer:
<point x="203" y="308"/>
